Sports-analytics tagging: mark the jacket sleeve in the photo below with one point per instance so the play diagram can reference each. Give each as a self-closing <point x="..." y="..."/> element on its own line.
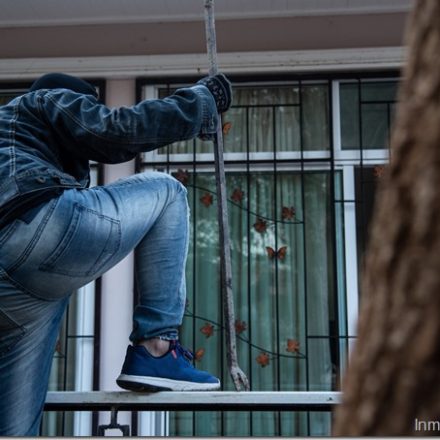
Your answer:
<point x="96" y="132"/>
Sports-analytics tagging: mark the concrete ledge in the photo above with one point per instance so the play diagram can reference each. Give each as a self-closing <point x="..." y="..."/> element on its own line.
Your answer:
<point x="267" y="62"/>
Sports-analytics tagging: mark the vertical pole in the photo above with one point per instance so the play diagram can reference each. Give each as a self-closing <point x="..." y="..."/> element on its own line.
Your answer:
<point x="238" y="377"/>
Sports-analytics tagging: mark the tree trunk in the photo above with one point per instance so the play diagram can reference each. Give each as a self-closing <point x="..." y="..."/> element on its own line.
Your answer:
<point x="393" y="382"/>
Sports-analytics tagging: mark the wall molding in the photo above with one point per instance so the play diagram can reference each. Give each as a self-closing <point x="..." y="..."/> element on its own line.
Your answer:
<point x="122" y="67"/>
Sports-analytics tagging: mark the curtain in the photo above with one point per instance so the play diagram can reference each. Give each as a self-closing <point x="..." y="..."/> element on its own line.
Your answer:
<point x="267" y="119"/>
<point x="282" y="237"/>
<point x="279" y="301"/>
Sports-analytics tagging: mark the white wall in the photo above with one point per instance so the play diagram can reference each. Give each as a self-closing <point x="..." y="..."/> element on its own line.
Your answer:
<point x="117" y="284"/>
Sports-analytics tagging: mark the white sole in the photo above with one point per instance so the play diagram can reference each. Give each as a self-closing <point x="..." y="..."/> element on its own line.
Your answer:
<point x="145" y="383"/>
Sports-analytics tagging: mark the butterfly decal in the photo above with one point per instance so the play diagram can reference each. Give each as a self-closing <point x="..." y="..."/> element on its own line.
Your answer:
<point x="379" y="171"/>
<point x="237" y="195"/>
<point x="288" y="213"/>
<point x="240" y="326"/>
<point x="263" y="359"/>
<point x="207" y="199"/>
<point x="199" y="354"/>
<point x="182" y="176"/>
<point x="260" y="226"/>
<point x="226" y="127"/>
<point x="292" y="346"/>
<point x="280" y="253"/>
<point x="207" y="330"/>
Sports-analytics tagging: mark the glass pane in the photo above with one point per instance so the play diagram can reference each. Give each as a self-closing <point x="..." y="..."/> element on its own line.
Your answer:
<point x="267" y="119"/>
<point x="349" y="104"/>
<point x="261" y="129"/>
<point x="377" y="101"/>
<point x="319" y="250"/>
<point x="379" y="91"/>
<point x="254" y="96"/>
<point x="288" y="128"/>
<point x="320" y="423"/>
<point x="263" y="104"/>
<point x="294" y="424"/>
<point x="315" y="103"/>
<point x="340" y="254"/>
<point x="237" y="423"/>
<point x="207" y="423"/>
<point x="375" y="125"/>
<point x="181" y="424"/>
<point x="235" y="130"/>
<point x="320" y="368"/>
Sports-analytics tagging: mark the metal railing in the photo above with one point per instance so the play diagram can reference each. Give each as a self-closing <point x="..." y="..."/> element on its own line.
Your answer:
<point x="115" y="401"/>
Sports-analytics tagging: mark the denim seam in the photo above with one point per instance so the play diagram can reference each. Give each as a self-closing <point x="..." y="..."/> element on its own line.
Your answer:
<point x="10" y="229"/>
<point x="35" y="238"/>
<point x="65" y="241"/>
<point x="100" y="264"/>
<point x="49" y="265"/>
<point x="6" y="276"/>
<point x="208" y="125"/>
<point x="16" y="325"/>
<point x="27" y="291"/>
<point x="12" y="165"/>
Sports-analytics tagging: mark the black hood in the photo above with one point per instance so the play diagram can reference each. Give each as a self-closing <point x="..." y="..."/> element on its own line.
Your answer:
<point x="63" y="81"/>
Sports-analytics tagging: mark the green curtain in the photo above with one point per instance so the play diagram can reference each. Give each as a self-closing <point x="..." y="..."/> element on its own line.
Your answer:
<point x="282" y="231"/>
<point x="267" y="119"/>
<point x="277" y="300"/>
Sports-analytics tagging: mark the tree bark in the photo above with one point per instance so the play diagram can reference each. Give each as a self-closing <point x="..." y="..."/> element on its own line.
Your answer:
<point x="393" y="379"/>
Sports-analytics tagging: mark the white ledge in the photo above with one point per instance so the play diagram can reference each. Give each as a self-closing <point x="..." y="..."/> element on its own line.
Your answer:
<point x="275" y="62"/>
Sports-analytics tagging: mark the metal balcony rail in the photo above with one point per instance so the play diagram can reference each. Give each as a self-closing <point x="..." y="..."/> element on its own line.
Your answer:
<point x="115" y="401"/>
<point x="192" y="401"/>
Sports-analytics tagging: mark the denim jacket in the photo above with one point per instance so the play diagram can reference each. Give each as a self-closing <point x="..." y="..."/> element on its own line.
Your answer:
<point x="48" y="137"/>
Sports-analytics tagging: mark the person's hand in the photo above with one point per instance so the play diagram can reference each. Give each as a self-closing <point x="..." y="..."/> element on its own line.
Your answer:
<point x="221" y="89"/>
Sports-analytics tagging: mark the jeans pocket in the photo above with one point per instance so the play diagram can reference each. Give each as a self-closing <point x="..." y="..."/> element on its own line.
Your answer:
<point x="7" y="232"/>
<point x="90" y="241"/>
<point x="10" y="332"/>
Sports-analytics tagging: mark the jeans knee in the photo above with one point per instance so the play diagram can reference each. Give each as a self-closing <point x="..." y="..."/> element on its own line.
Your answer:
<point x="167" y="179"/>
<point x="180" y="187"/>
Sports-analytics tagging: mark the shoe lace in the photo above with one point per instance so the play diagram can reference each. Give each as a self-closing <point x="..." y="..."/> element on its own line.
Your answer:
<point x="187" y="354"/>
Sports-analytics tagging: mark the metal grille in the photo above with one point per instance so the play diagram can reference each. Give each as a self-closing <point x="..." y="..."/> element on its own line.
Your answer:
<point x="310" y="145"/>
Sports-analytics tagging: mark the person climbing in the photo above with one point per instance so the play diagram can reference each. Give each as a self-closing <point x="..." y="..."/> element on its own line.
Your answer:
<point x="57" y="234"/>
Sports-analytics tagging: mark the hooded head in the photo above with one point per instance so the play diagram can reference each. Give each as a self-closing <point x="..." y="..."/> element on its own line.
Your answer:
<point x="63" y="81"/>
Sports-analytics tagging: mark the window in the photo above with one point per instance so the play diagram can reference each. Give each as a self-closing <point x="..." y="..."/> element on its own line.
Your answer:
<point x="76" y="350"/>
<point x="294" y="156"/>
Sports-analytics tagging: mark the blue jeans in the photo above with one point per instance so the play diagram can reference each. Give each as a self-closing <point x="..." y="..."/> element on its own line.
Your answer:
<point x="58" y="247"/>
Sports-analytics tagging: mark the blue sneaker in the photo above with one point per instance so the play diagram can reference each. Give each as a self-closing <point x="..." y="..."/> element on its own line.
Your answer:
<point x="171" y="372"/>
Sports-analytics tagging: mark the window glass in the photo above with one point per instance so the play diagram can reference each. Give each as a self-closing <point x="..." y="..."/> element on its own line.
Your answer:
<point x="283" y="282"/>
<point x="367" y="111"/>
<point x="349" y="101"/>
<point x="268" y="119"/>
<point x="315" y="117"/>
